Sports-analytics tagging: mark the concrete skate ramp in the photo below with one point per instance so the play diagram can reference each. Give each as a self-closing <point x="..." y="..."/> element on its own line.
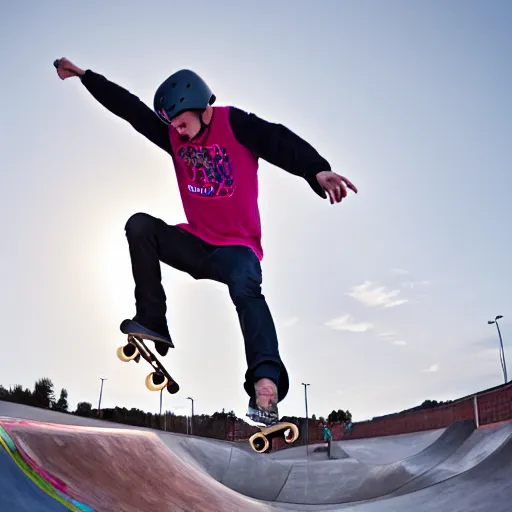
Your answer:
<point x="351" y="480"/>
<point x="374" y="450"/>
<point x="336" y="451"/>
<point x="472" y="452"/>
<point x="113" y="470"/>
<point x="312" y="480"/>
<point x="461" y="470"/>
<point x="387" y="449"/>
<point x="19" y="494"/>
<point x="485" y="487"/>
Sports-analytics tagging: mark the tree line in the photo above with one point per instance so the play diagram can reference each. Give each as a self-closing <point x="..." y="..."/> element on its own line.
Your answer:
<point x="42" y="395"/>
<point x="220" y="425"/>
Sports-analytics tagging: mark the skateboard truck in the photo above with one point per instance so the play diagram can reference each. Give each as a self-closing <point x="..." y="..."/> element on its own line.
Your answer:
<point x="156" y="380"/>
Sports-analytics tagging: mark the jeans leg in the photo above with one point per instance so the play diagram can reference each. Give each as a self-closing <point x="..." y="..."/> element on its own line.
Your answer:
<point x="151" y="240"/>
<point x="239" y="268"/>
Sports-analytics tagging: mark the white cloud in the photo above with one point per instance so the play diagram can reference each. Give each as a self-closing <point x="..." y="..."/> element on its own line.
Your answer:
<point x="399" y="271"/>
<point x="290" y="321"/>
<point x="387" y="335"/>
<point x="347" y="323"/>
<point x="390" y="336"/>
<point x="374" y="295"/>
<point x="432" y="369"/>
<point x="415" y="284"/>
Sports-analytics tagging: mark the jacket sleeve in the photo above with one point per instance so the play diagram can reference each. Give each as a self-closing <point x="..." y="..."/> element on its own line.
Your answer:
<point x="129" y="107"/>
<point x="279" y="146"/>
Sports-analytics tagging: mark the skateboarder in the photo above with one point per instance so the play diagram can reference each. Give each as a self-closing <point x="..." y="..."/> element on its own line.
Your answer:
<point x="215" y="152"/>
<point x="327" y="434"/>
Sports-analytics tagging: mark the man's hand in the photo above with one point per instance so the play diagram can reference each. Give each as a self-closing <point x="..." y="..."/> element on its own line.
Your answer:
<point x="66" y="69"/>
<point x="334" y="185"/>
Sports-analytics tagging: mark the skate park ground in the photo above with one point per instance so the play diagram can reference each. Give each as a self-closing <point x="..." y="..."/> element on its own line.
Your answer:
<point x="95" y="465"/>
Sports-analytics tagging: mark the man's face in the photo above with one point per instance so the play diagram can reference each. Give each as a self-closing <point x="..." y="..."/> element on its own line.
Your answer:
<point x="187" y="125"/>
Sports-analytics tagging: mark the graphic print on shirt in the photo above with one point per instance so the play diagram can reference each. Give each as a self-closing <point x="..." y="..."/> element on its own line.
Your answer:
<point x="209" y="171"/>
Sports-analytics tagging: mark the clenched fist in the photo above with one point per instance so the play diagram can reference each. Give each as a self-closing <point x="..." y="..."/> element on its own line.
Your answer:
<point x="66" y="69"/>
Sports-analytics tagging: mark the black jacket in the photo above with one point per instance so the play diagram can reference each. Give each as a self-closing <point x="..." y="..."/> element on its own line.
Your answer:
<point x="272" y="142"/>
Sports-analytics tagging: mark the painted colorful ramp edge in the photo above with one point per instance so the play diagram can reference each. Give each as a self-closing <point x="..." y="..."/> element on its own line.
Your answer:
<point x="46" y="482"/>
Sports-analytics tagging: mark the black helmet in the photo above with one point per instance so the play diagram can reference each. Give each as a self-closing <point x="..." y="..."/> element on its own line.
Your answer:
<point x="183" y="90"/>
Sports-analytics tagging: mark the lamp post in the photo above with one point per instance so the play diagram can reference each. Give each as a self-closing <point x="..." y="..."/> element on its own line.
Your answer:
<point x="307" y="421"/>
<point x="192" y="417"/>
<point x="101" y="393"/>
<point x="163" y="424"/>
<point x="502" y="351"/>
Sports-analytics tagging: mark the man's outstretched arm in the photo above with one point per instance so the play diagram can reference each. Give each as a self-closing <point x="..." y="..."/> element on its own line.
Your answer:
<point x="120" y="102"/>
<point x="281" y="147"/>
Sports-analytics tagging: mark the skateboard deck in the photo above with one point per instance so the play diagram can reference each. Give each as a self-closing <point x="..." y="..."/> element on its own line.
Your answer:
<point x="160" y="377"/>
<point x="262" y="440"/>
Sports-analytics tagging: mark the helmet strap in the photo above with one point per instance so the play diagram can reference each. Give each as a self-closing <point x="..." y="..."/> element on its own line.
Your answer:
<point x="203" y="126"/>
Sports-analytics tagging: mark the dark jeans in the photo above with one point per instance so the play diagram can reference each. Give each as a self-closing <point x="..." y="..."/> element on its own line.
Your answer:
<point x="152" y="241"/>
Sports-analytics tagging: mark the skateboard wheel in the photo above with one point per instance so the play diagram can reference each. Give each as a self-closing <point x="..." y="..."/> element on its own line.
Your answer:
<point x="127" y="353"/>
<point x="156" y="381"/>
<point x="259" y="443"/>
<point x="173" y="387"/>
<point x="291" y="434"/>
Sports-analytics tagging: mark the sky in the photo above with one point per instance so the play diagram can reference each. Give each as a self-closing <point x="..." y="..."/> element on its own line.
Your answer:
<point x="380" y="302"/>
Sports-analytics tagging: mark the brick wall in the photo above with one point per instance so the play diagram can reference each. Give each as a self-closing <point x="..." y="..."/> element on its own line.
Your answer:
<point x="494" y="405"/>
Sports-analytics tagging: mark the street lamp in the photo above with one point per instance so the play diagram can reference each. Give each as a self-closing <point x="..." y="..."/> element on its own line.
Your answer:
<point x="101" y="393"/>
<point x="164" y="421"/>
<point x="192" y="418"/>
<point x="502" y="351"/>
<point x="307" y="429"/>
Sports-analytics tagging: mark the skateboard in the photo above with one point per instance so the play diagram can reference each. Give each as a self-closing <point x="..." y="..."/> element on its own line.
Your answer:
<point x="156" y="380"/>
<point x="262" y="440"/>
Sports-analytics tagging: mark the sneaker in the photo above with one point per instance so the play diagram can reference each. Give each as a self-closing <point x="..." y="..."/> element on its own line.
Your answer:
<point x="263" y="406"/>
<point x="162" y="343"/>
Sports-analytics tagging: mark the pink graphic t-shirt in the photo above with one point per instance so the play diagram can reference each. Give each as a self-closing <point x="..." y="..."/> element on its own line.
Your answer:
<point x="218" y="181"/>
